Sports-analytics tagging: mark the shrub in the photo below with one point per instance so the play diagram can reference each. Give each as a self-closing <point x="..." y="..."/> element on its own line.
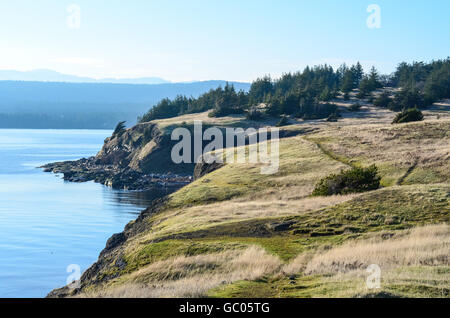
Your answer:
<point x="283" y="122"/>
<point x="383" y="100"/>
<point x="349" y="181"/>
<point x="317" y="111"/>
<point x="333" y="118"/>
<point x="254" y="114"/>
<point x="225" y="111"/>
<point x="355" y="107"/>
<point x="407" y="98"/>
<point x="408" y="115"/>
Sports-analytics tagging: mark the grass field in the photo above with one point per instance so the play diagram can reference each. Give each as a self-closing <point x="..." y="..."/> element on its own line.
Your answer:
<point x="238" y="233"/>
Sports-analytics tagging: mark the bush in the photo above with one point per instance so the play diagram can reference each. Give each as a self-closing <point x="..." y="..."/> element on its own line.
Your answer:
<point x="407" y="98"/>
<point x="283" y="122"/>
<point x="355" y="107"/>
<point x="383" y="100"/>
<point x="333" y="117"/>
<point x="408" y="115"/>
<point x="254" y="114"/>
<point x="225" y="111"/>
<point x="317" y="111"/>
<point x="350" y="181"/>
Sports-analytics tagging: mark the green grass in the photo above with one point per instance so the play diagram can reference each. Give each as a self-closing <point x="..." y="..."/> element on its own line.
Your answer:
<point x="393" y="208"/>
<point x="414" y="282"/>
<point x="297" y="156"/>
<point x="301" y="287"/>
<point x="150" y="253"/>
<point x="178" y="231"/>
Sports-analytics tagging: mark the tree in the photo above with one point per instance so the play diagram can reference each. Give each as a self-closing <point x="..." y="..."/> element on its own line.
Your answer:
<point x="358" y="74"/>
<point x="365" y="87"/>
<point x="274" y="107"/>
<point x="119" y="130"/>
<point x="374" y="79"/>
<point x="326" y="95"/>
<point x="260" y="88"/>
<point x="407" y="98"/>
<point x="347" y="82"/>
<point x="383" y="100"/>
<point x="227" y="103"/>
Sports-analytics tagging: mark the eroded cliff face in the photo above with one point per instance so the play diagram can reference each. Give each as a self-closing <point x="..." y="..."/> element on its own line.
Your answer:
<point x="143" y="148"/>
<point x="136" y="159"/>
<point x="129" y="148"/>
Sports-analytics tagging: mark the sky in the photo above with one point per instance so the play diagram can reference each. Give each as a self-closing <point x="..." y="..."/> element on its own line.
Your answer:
<point x="236" y="40"/>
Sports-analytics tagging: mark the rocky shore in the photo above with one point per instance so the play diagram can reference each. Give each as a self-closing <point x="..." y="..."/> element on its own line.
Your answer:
<point x="84" y="170"/>
<point x="137" y="158"/>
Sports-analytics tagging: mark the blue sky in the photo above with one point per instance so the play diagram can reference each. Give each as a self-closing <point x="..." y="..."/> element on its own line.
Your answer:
<point x="183" y="40"/>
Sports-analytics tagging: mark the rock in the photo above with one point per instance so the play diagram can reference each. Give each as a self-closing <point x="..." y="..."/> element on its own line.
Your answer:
<point x="115" y="240"/>
<point x="280" y="226"/>
<point x="203" y="168"/>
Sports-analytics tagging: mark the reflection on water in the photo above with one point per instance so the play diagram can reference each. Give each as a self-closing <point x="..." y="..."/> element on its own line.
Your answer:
<point x="47" y="224"/>
<point x="138" y="198"/>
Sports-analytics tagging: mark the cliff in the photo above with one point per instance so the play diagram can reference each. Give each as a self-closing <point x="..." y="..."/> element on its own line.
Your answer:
<point x="234" y="232"/>
<point x="136" y="159"/>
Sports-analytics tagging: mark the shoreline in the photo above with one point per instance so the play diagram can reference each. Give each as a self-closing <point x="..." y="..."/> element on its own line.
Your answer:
<point x="84" y="170"/>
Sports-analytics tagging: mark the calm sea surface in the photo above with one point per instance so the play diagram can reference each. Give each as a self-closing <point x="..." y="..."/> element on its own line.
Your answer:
<point x="47" y="224"/>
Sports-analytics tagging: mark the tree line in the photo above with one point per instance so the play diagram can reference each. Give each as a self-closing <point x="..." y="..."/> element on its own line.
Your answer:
<point x="309" y="93"/>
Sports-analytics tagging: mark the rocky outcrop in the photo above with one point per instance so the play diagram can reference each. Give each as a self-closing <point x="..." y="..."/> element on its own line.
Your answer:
<point x="140" y="157"/>
<point x="137" y="159"/>
<point x="84" y="170"/>
<point x="203" y="168"/>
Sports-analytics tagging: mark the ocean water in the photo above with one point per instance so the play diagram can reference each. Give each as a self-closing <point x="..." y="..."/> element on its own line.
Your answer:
<point x="49" y="227"/>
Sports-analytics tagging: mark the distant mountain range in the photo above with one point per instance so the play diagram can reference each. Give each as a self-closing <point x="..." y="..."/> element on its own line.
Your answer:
<point x="58" y="104"/>
<point x="44" y="75"/>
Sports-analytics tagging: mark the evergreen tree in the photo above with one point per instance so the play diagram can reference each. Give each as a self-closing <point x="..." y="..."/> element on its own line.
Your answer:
<point x="119" y="130"/>
<point x="358" y="74"/>
<point x="374" y="79"/>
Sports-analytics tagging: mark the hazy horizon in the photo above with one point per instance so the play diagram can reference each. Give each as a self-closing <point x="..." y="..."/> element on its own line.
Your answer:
<point x="48" y="75"/>
<point x="231" y="41"/>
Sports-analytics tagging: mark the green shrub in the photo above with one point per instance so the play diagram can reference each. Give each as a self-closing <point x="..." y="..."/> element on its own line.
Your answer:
<point x="408" y="115"/>
<point x="355" y="107"/>
<point x="383" y="100"/>
<point x="349" y="181"/>
<point x="283" y="121"/>
<point x="254" y="114"/>
<point x="333" y="118"/>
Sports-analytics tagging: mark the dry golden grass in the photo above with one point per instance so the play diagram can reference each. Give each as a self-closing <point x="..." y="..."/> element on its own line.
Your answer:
<point x="422" y="246"/>
<point x="203" y="117"/>
<point x="406" y="258"/>
<point x="395" y="148"/>
<point x="199" y="217"/>
<point x="409" y="282"/>
<point x="285" y="193"/>
<point x="238" y="192"/>
<point x="194" y="276"/>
